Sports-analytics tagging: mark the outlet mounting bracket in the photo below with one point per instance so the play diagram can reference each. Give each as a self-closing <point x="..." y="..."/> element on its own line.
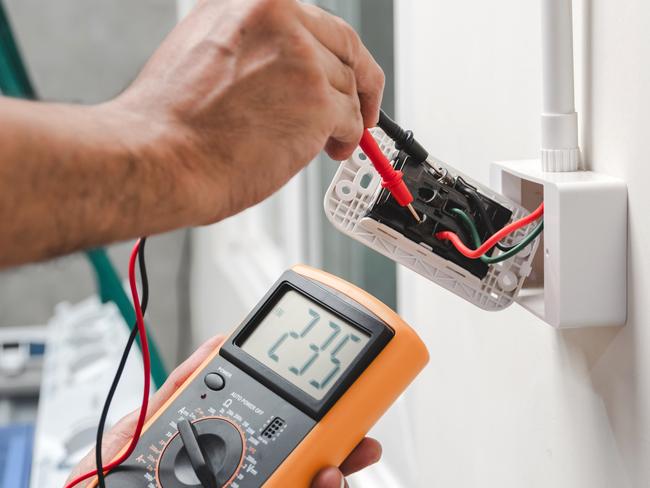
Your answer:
<point x="579" y="278"/>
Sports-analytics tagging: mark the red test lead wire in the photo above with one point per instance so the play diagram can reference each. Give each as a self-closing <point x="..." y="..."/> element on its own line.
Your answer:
<point x="142" y="333"/>
<point x="391" y="178"/>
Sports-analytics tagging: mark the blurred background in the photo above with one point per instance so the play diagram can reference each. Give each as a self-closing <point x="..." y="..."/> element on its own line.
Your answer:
<point x="506" y="401"/>
<point x="88" y="52"/>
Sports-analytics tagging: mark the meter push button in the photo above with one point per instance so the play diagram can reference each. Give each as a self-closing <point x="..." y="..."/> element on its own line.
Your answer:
<point x="214" y="381"/>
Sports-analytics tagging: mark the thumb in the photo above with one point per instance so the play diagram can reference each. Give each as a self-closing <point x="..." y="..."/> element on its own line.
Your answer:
<point x="329" y="478"/>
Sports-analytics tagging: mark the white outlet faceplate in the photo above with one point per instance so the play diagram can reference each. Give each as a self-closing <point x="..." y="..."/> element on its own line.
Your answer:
<point x="580" y="278"/>
<point x="353" y="192"/>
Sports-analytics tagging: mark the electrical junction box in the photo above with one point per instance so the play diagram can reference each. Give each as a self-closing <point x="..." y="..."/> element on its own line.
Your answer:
<point x="580" y="278"/>
<point x="358" y="206"/>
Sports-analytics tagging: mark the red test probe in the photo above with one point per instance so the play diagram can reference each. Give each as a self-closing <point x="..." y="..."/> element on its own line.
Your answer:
<point x="391" y="179"/>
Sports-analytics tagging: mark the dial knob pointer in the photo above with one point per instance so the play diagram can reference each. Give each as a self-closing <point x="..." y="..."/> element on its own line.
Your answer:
<point x="202" y="469"/>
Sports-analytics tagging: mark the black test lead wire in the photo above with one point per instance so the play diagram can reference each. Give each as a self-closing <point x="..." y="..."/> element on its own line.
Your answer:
<point x="120" y="369"/>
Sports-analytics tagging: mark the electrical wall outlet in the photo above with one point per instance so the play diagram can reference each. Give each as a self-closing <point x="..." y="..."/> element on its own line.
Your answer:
<point x="356" y="205"/>
<point x="580" y="278"/>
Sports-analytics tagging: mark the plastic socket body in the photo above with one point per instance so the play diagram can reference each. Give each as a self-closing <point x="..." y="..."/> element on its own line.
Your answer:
<point x="351" y="200"/>
<point x="433" y="201"/>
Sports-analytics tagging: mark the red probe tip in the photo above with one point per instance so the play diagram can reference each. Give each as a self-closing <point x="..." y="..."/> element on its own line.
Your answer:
<point x="391" y="178"/>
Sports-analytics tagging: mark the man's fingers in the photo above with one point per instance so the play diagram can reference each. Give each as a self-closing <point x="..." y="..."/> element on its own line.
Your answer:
<point x="345" y="108"/>
<point x="340" y="75"/>
<point x="338" y="37"/>
<point x="329" y="478"/>
<point x="339" y="151"/>
<point x="348" y="129"/>
<point x="334" y="33"/>
<point x="367" y="452"/>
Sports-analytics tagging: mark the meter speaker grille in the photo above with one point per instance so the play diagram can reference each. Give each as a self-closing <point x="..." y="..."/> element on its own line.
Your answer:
<point x="274" y="428"/>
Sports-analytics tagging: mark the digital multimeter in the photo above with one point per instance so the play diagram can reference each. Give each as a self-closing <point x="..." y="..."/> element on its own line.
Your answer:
<point x="292" y="390"/>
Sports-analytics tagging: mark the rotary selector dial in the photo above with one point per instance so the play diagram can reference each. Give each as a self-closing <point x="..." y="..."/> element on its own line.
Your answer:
<point x="206" y="453"/>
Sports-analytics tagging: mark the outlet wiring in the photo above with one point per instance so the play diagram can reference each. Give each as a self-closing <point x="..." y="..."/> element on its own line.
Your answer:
<point x="147" y="372"/>
<point x="511" y="250"/>
<point x="473" y="195"/>
<point x="405" y="141"/>
<point x="492" y="240"/>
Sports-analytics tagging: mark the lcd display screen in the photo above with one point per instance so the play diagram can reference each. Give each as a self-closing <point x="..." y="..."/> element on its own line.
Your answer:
<point x="305" y="343"/>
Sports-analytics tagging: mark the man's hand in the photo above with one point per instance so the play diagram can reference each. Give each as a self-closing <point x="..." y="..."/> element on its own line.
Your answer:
<point x="249" y="91"/>
<point x="366" y="453"/>
<point x="239" y="97"/>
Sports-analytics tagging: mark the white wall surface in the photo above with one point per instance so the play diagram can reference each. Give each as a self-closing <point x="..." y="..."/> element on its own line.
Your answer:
<point x="506" y="400"/>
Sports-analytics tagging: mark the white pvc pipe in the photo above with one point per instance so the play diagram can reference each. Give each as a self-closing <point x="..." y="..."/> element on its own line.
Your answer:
<point x="560" y="150"/>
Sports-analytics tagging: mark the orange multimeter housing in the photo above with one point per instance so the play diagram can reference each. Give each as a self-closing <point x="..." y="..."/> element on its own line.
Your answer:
<point x="292" y="390"/>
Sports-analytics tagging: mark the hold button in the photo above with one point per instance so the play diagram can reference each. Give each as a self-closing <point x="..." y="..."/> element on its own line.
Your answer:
<point x="214" y="381"/>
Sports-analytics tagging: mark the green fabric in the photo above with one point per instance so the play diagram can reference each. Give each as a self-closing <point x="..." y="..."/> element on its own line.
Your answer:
<point x="14" y="82"/>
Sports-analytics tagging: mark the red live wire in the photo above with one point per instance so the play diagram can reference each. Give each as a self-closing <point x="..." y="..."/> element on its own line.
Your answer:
<point x="493" y="240"/>
<point x="142" y="333"/>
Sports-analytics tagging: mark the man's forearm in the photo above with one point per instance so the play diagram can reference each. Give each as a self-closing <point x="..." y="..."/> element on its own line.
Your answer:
<point x="73" y="177"/>
<point x="240" y="96"/>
